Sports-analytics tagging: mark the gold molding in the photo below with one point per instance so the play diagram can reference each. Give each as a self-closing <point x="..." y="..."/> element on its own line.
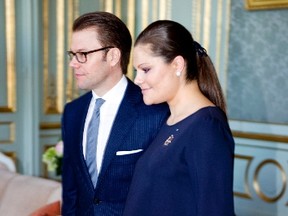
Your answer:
<point x="162" y="9"/>
<point x="118" y="12"/>
<point x="60" y="11"/>
<point x="155" y="5"/>
<point x="69" y="81"/>
<point x="265" y="4"/>
<point x="49" y="125"/>
<point x="257" y="136"/>
<point x="71" y="90"/>
<point x="131" y="27"/>
<point x="55" y="86"/>
<point x="247" y="193"/>
<point x="145" y="14"/>
<point x="47" y="99"/>
<point x="109" y="6"/>
<point x="11" y="126"/>
<point x="6" y="109"/>
<point x="257" y="185"/>
<point x="198" y="21"/>
<point x="226" y="53"/>
<point x="10" y="56"/>
<point x="207" y="25"/>
<point x="218" y="34"/>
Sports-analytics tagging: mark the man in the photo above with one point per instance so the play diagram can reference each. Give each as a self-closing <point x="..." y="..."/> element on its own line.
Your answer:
<point x="100" y="50"/>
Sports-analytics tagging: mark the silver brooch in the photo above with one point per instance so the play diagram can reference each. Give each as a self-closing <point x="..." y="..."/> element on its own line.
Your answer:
<point x="169" y="140"/>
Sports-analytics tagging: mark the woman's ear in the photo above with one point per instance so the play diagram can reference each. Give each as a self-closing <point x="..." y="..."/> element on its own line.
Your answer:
<point x="179" y="63"/>
<point x="114" y="56"/>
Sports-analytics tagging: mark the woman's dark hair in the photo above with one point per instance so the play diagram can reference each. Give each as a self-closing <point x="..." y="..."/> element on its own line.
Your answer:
<point x="111" y="32"/>
<point x="169" y="39"/>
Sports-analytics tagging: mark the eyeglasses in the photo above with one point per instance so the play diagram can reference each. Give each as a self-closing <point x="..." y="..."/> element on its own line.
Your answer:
<point x="81" y="57"/>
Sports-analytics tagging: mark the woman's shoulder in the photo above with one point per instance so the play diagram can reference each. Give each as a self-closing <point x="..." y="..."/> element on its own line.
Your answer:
<point x="207" y="120"/>
<point x="204" y="114"/>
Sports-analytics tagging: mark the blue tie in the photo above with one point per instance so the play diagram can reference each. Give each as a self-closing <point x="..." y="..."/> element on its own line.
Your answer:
<point x="92" y="135"/>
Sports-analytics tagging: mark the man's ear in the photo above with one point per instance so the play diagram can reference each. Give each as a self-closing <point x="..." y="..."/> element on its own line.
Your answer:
<point x="114" y="56"/>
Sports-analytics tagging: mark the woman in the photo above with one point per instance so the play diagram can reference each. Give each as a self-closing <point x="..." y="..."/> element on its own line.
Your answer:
<point x="188" y="168"/>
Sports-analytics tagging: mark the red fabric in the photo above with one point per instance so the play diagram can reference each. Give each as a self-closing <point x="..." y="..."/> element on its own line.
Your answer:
<point x="51" y="209"/>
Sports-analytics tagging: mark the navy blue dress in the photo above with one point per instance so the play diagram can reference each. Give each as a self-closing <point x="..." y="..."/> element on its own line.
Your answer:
<point x="187" y="170"/>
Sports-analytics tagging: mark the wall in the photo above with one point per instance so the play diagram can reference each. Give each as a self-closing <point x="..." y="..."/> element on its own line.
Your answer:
<point x="257" y="101"/>
<point x="247" y="47"/>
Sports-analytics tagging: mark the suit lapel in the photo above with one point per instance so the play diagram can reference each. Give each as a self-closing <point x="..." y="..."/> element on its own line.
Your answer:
<point x="123" y="122"/>
<point x="79" y="122"/>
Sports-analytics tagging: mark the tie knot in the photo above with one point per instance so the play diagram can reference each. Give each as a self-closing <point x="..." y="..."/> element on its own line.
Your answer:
<point x="99" y="102"/>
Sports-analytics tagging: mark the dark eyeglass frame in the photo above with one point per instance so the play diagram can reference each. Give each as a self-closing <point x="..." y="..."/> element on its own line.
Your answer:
<point x="72" y="54"/>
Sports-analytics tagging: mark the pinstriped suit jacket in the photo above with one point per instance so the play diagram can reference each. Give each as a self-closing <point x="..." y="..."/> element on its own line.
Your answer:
<point x="134" y="127"/>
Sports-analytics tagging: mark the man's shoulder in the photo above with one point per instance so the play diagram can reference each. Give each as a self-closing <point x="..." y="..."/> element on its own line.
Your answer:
<point x="85" y="97"/>
<point x="80" y="101"/>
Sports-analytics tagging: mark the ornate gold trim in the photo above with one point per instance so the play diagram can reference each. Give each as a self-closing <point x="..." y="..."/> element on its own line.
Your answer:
<point x="155" y="5"/>
<point x="247" y="193"/>
<point x="6" y="109"/>
<point x="198" y="20"/>
<point x="145" y="14"/>
<point x="47" y="101"/>
<point x="118" y="8"/>
<point x="11" y="126"/>
<point x="226" y="53"/>
<point x="69" y="81"/>
<point x="60" y="11"/>
<point x="10" y="56"/>
<point x="108" y="6"/>
<point x="218" y="35"/>
<point x="164" y="9"/>
<point x="50" y="125"/>
<point x="207" y="25"/>
<point x="266" y="137"/>
<point x="71" y="87"/>
<point x="265" y="4"/>
<point x="54" y="83"/>
<point x="257" y="185"/>
<point x="131" y="27"/>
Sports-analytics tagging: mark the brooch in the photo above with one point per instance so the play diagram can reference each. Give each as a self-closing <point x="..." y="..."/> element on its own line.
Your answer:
<point x="169" y="140"/>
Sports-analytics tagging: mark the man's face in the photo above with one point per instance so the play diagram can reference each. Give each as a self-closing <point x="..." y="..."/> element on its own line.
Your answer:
<point x="94" y="73"/>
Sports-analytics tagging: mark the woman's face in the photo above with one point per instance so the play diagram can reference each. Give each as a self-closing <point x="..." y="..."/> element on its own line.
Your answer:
<point x="156" y="78"/>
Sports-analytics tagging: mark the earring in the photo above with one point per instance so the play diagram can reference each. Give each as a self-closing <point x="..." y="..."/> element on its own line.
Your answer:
<point x="178" y="73"/>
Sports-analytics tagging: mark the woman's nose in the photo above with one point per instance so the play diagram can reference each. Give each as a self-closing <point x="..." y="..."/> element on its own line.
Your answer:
<point x="138" y="80"/>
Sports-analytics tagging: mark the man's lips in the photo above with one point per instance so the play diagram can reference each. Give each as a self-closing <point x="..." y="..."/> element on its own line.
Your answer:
<point x="78" y="75"/>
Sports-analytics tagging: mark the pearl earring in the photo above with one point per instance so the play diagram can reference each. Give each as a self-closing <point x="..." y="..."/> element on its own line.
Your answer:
<point x="178" y="73"/>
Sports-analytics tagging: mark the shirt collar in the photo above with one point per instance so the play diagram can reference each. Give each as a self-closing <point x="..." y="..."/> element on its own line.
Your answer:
<point x="116" y="93"/>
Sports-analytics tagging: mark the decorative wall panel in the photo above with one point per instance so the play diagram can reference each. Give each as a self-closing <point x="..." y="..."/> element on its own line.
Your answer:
<point x="58" y="82"/>
<point x="7" y="134"/>
<point x="260" y="178"/>
<point x="265" y="4"/>
<point x="258" y="62"/>
<point x="8" y="61"/>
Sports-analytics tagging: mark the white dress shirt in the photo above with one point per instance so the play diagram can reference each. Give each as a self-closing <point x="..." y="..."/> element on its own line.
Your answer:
<point x="108" y="113"/>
